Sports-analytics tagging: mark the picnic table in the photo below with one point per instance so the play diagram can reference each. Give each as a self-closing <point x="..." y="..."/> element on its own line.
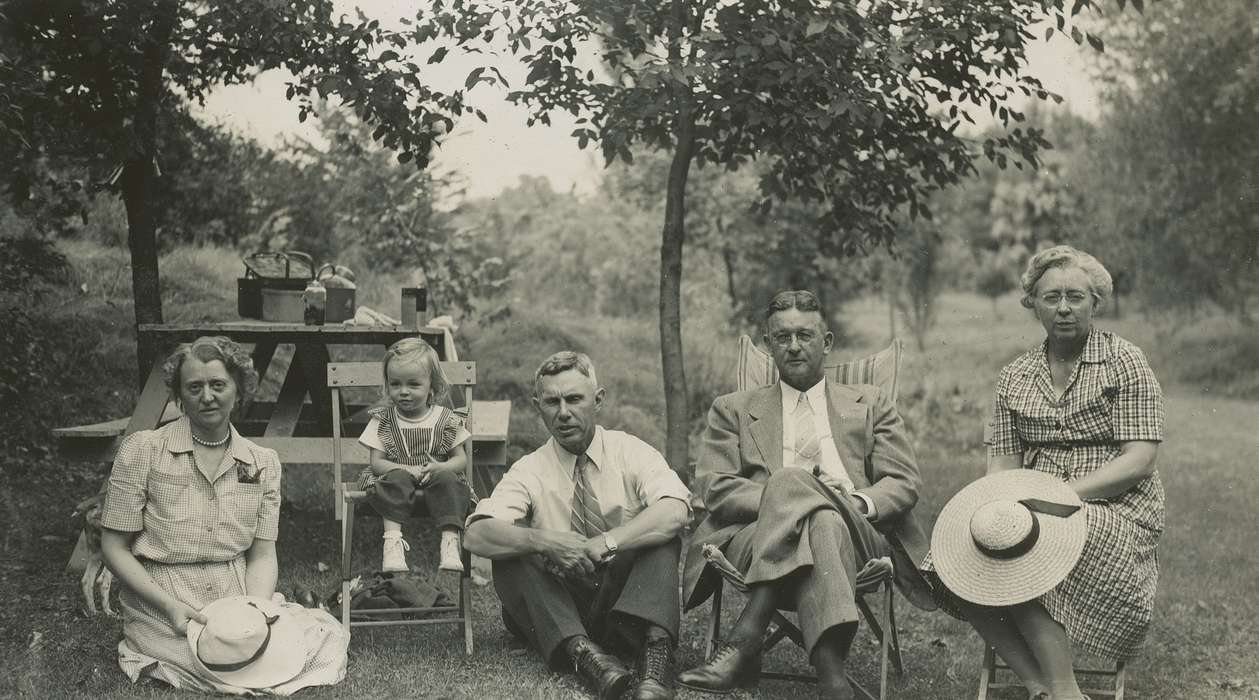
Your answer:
<point x="298" y="423"/>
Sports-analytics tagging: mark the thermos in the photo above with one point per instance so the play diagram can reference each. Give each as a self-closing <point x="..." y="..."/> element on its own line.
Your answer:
<point x="314" y="303"/>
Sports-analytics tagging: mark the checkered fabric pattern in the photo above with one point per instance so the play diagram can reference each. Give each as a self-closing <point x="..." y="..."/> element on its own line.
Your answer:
<point x="156" y="490"/>
<point x="1105" y="604"/>
<point x="1112" y="397"/>
<point x="192" y="535"/>
<point x="151" y="648"/>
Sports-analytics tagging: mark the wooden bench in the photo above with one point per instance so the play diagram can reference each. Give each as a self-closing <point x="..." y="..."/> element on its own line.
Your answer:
<point x="99" y="441"/>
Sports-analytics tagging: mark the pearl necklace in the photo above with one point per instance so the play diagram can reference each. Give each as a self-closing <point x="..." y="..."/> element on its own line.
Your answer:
<point x="207" y="443"/>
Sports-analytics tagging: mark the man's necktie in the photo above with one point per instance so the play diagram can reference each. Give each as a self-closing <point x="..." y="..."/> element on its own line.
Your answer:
<point x="807" y="447"/>
<point x="587" y="518"/>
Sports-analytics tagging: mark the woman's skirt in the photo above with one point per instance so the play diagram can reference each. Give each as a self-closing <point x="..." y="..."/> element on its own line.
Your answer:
<point x="152" y="648"/>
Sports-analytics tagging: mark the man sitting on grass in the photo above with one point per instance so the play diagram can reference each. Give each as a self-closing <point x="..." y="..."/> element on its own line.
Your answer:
<point x="584" y="537"/>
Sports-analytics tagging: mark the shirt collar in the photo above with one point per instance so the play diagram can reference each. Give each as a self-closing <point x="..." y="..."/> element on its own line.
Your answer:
<point x="816" y="394"/>
<point x="595" y="452"/>
<point x="1096" y="350"/>
<point x="179" y="439"/>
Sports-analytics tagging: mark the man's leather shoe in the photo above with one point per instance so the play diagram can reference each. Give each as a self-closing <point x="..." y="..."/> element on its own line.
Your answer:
<point x="602" y="670"/>
<point x="728" y="668"/>
<point x="655" y="670"/>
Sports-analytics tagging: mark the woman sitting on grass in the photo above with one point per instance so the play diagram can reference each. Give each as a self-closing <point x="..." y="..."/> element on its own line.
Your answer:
<point x="1084" y="407"/>
<point x="191" y="516"/>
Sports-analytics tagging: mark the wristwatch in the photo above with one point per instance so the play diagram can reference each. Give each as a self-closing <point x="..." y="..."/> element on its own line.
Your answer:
<point x="610" y="545"/>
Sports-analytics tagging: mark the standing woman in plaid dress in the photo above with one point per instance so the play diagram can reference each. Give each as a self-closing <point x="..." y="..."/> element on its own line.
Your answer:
<point x="191" y="515"/>
<point x="1085" y="407"/>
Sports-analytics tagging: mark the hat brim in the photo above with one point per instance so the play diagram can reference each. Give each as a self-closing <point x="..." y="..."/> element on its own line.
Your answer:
<point x="985" y="580"/>
<point x="283" y="660"/>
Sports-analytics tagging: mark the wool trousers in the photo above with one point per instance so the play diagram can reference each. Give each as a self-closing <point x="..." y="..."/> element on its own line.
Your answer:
<point x="808" y="543"/>
<point x="636" y="588"/>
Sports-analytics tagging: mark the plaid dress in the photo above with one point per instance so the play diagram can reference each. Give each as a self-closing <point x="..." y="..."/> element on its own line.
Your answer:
<point x="193" y="524"/>
<point x="1112" y="397"/>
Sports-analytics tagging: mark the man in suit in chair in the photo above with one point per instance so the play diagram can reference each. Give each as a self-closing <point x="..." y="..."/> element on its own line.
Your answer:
<point x="803" y="482"/>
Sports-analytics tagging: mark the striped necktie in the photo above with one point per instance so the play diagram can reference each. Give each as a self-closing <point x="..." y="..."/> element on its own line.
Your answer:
<point x="587" y="518"/>
<point x="807" y="447"/>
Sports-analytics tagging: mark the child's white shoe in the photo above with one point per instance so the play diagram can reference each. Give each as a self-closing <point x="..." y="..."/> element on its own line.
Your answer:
<point x="394" y="557"/>
<point x="450" y="554"/>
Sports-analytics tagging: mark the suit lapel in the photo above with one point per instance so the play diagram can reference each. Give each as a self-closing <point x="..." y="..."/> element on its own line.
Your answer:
<point x="767" y="425"/>
<point x="844" y="411"/>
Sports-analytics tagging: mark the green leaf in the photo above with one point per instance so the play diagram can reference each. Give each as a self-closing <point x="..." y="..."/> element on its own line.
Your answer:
<point x="1096" y="42"/>
<point x="1076" y="35"/>
<point x="387" y="55"/>
<point x="405" y="157"/>
<point x="437" y="56"/>
<point x="473" y="78"/>
<point x="1049" y="33"/>
<point x="816" y="26"/>
<point x="1139" y="5"/>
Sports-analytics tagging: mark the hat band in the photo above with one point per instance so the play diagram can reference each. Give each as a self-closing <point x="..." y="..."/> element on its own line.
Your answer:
<point x="262" y="648"/>
<point x="1023" y="546"/>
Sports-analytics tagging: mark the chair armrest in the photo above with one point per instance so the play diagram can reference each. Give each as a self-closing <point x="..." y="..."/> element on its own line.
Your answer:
<point x="874" y="574"/>
<point x="723" y="566"/>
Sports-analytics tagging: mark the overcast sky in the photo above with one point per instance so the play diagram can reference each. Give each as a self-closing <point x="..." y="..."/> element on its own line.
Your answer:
<point x="493" y="156"/>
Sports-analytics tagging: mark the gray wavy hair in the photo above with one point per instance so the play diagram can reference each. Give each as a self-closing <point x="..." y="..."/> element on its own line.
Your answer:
<point x="208" y="348"/>
<point x="562" y="362"/>
<point x="1064" y="256"/>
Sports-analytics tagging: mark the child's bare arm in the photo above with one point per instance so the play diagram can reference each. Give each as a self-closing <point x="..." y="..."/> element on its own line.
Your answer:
<point x="456" y="461"/>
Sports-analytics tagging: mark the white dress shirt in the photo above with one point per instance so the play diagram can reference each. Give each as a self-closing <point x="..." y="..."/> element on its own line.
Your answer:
<point x="626" y="475"/>
<point x="831" y="464"/>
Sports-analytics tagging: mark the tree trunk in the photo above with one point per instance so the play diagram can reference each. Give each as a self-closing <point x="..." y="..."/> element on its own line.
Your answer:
<point x="139" y="178"/>
<point x="676" y="399"/>
<point x="137" y="183"/>
<point x="727" y="257"/>
<point x="677" y="410"/>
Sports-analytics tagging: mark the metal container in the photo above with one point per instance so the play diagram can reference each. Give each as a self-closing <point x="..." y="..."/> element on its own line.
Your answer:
<point x="283" y="305"/>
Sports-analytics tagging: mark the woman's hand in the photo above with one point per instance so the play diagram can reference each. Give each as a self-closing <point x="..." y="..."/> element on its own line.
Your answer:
<point x="178" y="613"/>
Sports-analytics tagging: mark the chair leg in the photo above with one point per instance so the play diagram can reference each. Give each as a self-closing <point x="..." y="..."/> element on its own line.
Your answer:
<point x="347" y="540"/>
<point x="889" y="631"/>
<point x="988" y="673"/>
<point x="714" y="622"/>
<point x="465" y="600"/>
<point x="898" y="662"/>
<point x="465" y="611"/>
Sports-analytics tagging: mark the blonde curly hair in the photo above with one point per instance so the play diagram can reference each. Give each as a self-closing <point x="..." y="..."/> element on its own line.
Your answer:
<point x="208" y="348"/>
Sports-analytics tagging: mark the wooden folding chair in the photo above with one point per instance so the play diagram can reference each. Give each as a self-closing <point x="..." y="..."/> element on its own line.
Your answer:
<point x="368" y="374"/>
<point x="995" y="675"/>
<point x="756" y="368"/>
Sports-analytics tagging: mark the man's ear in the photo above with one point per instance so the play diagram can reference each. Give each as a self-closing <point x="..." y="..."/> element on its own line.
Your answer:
<point x="828" y="342"/>
<point x="537" y="405"/>
<point x="600" y="395"/>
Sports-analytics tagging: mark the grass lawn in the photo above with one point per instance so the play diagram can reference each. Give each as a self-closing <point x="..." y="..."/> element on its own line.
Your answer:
<point x="1204" y="642"/>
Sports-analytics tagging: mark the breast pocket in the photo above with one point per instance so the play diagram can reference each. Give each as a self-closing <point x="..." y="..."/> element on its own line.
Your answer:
<point x="169" y="496"/>
<point x="244" y="502"/>
<point x="1093" y="420"/>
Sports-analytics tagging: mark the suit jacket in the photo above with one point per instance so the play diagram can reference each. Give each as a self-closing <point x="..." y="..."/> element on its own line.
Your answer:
<point x="743" y="445"/>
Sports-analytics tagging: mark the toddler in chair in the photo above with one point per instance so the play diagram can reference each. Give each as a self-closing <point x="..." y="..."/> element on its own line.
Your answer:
<point x="417" y="461"/>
